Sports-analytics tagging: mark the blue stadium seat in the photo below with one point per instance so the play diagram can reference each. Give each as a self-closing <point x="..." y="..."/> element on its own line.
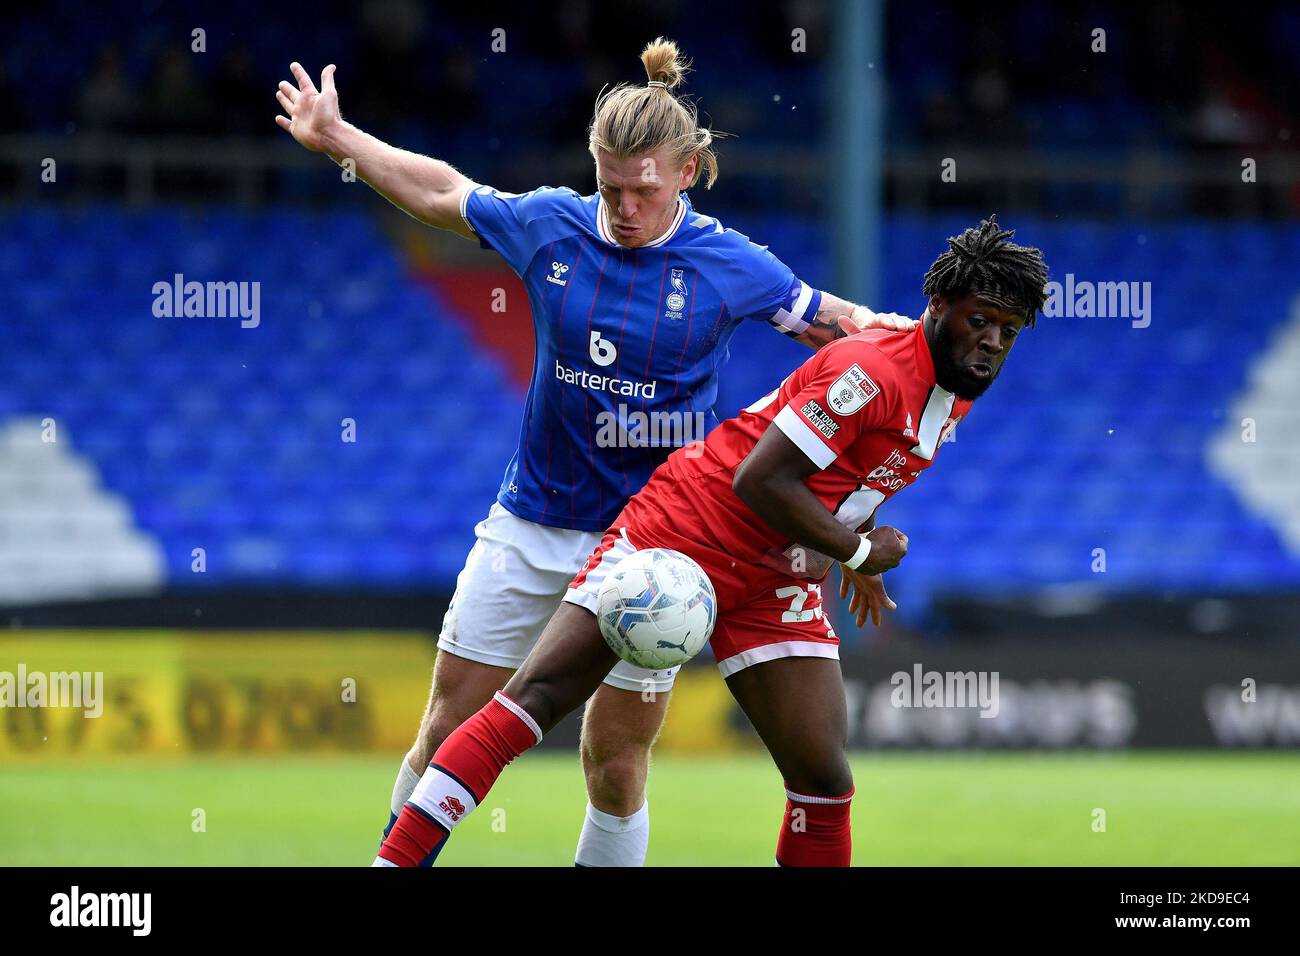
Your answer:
<point x="230" y="438"/>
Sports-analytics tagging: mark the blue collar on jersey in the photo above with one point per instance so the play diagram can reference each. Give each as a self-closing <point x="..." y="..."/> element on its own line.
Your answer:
<point x="606" y="233"/>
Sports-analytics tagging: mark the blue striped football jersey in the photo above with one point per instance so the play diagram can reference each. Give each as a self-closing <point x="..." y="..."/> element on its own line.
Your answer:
<point x="629" y="342"/>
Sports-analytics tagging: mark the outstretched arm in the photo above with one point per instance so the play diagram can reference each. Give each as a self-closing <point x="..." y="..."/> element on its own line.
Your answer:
<point x="838" y="317"/>
<point x="427" y="189"/>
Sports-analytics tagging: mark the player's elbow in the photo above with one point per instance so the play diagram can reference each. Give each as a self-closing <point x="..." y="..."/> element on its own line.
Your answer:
<point x="442" y="203"/>
<point x="741" y="483"/>
<point x="751" y="486"/>
<point x="441" y="208"/>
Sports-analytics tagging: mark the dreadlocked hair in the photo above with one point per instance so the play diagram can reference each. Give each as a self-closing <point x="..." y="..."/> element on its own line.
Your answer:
<point x="983" y="260"/>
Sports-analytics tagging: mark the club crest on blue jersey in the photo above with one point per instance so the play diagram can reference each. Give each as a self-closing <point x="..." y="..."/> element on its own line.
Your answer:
<point x="676" y="300"/>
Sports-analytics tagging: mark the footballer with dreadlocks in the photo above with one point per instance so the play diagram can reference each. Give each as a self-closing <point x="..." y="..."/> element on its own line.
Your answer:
<point x="775" y="497"/>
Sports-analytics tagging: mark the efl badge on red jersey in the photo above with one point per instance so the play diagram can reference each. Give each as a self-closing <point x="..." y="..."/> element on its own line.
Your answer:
<point x="851" y="391"/>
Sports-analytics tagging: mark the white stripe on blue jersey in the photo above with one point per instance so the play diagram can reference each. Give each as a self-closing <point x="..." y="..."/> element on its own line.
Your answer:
<point x="795" y="317"/>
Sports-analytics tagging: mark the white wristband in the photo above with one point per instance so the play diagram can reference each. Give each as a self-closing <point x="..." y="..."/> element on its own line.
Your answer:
<point x="860" y="555"/>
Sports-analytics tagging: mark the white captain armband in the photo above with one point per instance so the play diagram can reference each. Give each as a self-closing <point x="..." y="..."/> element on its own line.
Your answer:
<point x="798" y="310"/>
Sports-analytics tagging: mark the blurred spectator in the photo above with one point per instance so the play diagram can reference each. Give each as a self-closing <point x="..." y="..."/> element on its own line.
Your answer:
<point x="10" y="104"/>
<point x="247" y="106"/>
<point x="1218" y="121"/>
<point x="107" y="102"/>
<point x="179" y="104"/>
<point x="393" y="65"/>
<point x="1171" y="79"/>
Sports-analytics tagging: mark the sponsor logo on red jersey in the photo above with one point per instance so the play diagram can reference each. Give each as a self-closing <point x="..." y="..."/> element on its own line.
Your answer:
<point x="851" y="391"/>
<point x="817" y="416"/>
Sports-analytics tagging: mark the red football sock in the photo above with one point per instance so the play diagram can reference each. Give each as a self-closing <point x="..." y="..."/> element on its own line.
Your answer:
<point x="815" y="831"/>
<point x="459" y="777"/>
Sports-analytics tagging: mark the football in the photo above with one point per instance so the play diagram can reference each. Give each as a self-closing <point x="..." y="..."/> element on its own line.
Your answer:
<point x="657" y="608"/>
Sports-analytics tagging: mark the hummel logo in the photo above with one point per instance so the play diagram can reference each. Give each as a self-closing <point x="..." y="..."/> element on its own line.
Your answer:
<point x="558" y="269"/>
<point x="907" y="432"/>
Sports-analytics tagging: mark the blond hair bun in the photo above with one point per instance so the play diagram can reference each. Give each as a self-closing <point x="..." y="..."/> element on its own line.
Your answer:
<point x="664" y="63"/>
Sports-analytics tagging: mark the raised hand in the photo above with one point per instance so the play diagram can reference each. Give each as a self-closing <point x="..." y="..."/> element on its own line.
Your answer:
<point x="312" y="113"/>
<point x="864" y="318"/>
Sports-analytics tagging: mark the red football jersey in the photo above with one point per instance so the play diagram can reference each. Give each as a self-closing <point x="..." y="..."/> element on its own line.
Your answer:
<point x="865" y="409"/>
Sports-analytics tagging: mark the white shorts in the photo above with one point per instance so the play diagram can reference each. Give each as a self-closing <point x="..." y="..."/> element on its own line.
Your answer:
<point x="514" y="579"/>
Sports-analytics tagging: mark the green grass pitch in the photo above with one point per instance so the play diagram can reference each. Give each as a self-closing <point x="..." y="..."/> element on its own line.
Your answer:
<point x="911" y="809"/>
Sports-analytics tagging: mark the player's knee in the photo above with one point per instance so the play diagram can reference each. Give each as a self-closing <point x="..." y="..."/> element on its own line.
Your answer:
<point x="437" y="725"/>
<point x="822" y="778"/>
<point x="616" y="773"/>
<point x="460" y="688"/>
<point x="543" y="699"/>
<point x="444" y="713"/>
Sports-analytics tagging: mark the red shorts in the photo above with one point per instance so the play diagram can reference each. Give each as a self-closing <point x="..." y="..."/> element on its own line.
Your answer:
<point x="763" y="614"/>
